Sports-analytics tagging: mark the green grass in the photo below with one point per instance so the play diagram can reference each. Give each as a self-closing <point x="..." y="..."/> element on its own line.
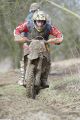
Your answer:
<point x="62" y="90"/>
<point x="12" y="90"/>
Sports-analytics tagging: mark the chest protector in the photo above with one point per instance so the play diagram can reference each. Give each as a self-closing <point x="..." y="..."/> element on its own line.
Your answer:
<point x="33" y="33"/>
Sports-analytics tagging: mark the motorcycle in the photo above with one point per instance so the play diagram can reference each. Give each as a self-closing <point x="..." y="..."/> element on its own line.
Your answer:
<point x="38" y="48"/>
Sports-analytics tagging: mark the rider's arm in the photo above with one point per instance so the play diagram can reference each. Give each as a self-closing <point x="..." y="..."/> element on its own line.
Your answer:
<point x="17" y="33"/>
<point x="57" y="34"/>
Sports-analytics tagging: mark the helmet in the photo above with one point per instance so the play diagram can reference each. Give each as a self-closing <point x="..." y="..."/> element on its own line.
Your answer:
<point x="34" y="7"/>
<point x="39" y="15"/>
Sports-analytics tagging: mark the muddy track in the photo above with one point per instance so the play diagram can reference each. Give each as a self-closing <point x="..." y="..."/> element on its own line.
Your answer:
<point x="61" y="101"/>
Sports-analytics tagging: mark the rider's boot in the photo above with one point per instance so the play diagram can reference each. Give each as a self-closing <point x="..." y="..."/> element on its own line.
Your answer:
<point x="44" y="84"/>
<point x="21" y="81"/>
<point x="44" y="77"/>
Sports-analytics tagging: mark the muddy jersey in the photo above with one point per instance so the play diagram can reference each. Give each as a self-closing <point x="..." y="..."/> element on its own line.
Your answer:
<point x="44" y="33"/>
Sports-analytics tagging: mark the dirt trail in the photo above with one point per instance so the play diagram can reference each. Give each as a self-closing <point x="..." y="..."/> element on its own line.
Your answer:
<point x="61" y="101"/>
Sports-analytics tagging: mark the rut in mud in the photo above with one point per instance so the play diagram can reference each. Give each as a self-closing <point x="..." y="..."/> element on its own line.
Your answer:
<point x="61" y="101"/>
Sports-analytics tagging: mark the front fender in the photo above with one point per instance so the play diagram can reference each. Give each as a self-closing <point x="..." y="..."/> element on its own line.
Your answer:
<point x="33" y="56"/>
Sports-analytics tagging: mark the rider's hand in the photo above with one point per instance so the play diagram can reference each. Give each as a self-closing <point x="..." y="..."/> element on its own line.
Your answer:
<point x="55" y="41"/>
<point x="20" y="39"/>
<point x="25" y="39"/>
<point x="52" y="40"/>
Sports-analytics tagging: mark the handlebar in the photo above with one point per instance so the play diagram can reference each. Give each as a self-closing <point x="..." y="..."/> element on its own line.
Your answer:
<point x="41" y="38"/>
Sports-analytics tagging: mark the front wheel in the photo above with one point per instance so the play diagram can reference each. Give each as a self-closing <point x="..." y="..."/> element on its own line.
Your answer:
<point x="30" y="79"/>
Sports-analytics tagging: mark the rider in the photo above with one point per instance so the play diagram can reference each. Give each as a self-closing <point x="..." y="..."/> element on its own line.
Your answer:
<point x="40" y="27"/>
<point x="33" y="8"/>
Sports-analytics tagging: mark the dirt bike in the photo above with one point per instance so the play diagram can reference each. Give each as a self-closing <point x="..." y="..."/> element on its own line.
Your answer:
<point x="34" y="66"/>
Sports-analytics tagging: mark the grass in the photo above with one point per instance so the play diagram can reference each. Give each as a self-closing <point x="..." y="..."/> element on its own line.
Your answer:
<point x="62" y="90"/>
<point x="12" y="90"/>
